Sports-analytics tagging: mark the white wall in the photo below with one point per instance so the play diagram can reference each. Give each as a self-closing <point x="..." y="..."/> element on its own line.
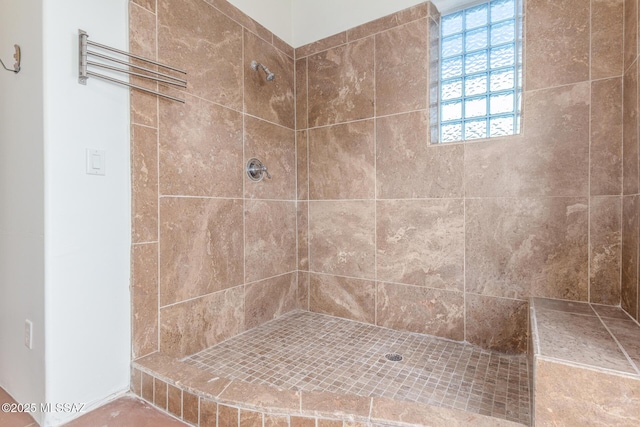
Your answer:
<point x="87" y="220"/>
<point x="276" y="15"/>
<point x="21" y="201"/>
<point x="314" y="20"/>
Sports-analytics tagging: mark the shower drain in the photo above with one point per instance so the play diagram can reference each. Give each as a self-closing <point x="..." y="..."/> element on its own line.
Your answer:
<point x="394" y="357"/>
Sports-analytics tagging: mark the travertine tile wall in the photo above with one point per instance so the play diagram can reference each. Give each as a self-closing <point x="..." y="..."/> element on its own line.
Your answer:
<point x="213" y="253"/>
<point x="631" y="180"/>
<point x="452" y="240"/>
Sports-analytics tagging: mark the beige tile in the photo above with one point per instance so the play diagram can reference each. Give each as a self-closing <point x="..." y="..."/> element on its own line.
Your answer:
<point x="261" y="396"/>
<point x="518" y="248"/>
<point x="303" y="422"/>
<point x="270" y="238"/>
<point x="227" y="416"/>
<point x="147" y="4"/>
<point x="551" y="158"/>
<point x="630" y="242"/>
<point x="275" y="421"/>
<point x="243" y="19"/>
<point x="408" y="167"/>
<point x="402" y="68"/>
<point x="607" y="18"/>
<point x="268" y="299"/>
<point x="341" y="161"/>
<point x="605" y="249"/>
<point x="421" y="242"/>
<point x="250" y="419"/>
<point x="372" y="27"/>
<point x="302" y="159"/>
<point x="200" y="149"/>
<point x="144" y="184"/>
<point x="581" y="339"/>
<point x="610" y="312"/>
<point x="201" y="247"/>
<point x="147" y="387"/>
<point x="343" y="297"/>
<point x="190" y="408"/>
<point x="574" y="307"/>
<point x="144" y="299"/>
<point x="630" y="31"/>
<point x="275" y="147"/>
<point x="303" y="235"/>
<point x="269" y="100"/>
<point x="301" y="94"/>
<point x="341" y="238"/>
<point x="320" y="45"/>
<point x="423" y="310"/>
<point x="606" y="137"/>
<point x="557" y="43"/>
<point x="303" y="290"/>
<point x="125" y="411"/>
<point x="627" y="332"/>
<point x="336" y="405"/>
<point x="208" y="413"/>
<point x="496" y="323"/>
<point x="160" y="393"/>
<point x="199" y="39"/>
<point x="341" y="85"/>
<point x="329" y="423"/>
<point x="630" y="130"/>
<point x="174" y="401"/>
<point x="142" y="42"/>
<point x="589" y="398"/>
<point x="191" y="326"/>
<point x="283" y="46"/>
<point x="136" y="382"/>
<point x="421" y="10"/>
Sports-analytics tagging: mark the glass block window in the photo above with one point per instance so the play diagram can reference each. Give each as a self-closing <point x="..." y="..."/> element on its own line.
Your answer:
<point x="480" y="71"/>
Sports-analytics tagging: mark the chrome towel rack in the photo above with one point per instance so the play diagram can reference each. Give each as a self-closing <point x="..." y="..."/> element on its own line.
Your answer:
<point x="156" y="76"/>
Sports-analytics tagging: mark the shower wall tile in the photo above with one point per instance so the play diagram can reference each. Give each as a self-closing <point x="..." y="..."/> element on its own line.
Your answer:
<point x="630" y="249"/>
<point x="269" y="299"/>
<point x="144" y="184"/>
<point x="270" y="238"/>
<point x="142" y="41"/>
<point x="321" y="45"/>
<point x="605" y="250"/>
<point x="243" y="19"/>
<point x="408" y="167"/>
<point x="269" y="100"/>
<point x="301" y="94"/>
<point x="607" y="20"/>
<point x="341" y="85"/>
<point x="630" y="32"/>
<point x="516" y="248"/>
<point x="200" y="149"/>
<point x="372" y="27"/>
<point x="302" y="160"/>
<point x="341" y="238"/>
<point x="303" y="290"/>
<point x="205" y="43"/>
<point x="150" y="5"/>
<point x="606" y="137"/>
<point x="421" y="10"/>
<point x="144" y="299"/>
<point x="557" y="43"/>
<point x="303" y="235"/>
<point x="191" y="326"/>
<point x="496" y="323"/>
<point x="275" y="146"/>
<point x="630" y="130"/>
<point x="344" y="297"/>
<point x="283" y="46"/>
<point x="421" y="242"/>
<point x="402" y="68"/>
<point x="201" y="247"/>
<point x="423" y="310"/>
<point x="341" y="161"/>
<point x="551" y="158"/>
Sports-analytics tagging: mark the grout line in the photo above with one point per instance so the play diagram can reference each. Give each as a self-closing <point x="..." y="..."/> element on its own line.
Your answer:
<point x="158" y="260"/>
<point x="589" y="248"/>
<point x="375" y="186"/>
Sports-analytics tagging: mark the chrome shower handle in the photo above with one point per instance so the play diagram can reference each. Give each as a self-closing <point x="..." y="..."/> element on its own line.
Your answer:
<point x="256" y="170"/>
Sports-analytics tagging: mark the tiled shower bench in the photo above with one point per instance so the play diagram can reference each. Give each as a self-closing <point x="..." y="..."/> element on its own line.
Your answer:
<point x="586" y="361"/>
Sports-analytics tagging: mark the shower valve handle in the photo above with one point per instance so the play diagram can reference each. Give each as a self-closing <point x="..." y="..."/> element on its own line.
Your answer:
<point x="256" y="170"/>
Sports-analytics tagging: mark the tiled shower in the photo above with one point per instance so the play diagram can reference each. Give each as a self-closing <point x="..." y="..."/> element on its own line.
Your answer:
<point x="365" y="219"/>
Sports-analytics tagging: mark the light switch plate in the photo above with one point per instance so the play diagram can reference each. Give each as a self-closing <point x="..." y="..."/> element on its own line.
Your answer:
<point x="96" y="161"/>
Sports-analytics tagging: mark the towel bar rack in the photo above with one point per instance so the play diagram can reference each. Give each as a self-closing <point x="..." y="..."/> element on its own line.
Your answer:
<point x="84" y="63"/>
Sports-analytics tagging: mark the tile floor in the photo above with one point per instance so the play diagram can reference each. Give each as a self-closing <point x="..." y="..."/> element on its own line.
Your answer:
<point x="14" y="419"/>
<point x="314" y="352"/>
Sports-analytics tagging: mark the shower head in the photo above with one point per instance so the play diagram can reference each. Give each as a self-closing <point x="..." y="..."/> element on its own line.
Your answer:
<point x="255" y="65"/>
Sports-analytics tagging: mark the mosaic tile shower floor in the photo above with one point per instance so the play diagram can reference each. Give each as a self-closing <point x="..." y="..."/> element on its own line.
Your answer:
<point x="314" y="352"/>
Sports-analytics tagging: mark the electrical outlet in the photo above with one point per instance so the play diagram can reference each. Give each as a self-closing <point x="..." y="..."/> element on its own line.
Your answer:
<point x="28" y="334"/>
